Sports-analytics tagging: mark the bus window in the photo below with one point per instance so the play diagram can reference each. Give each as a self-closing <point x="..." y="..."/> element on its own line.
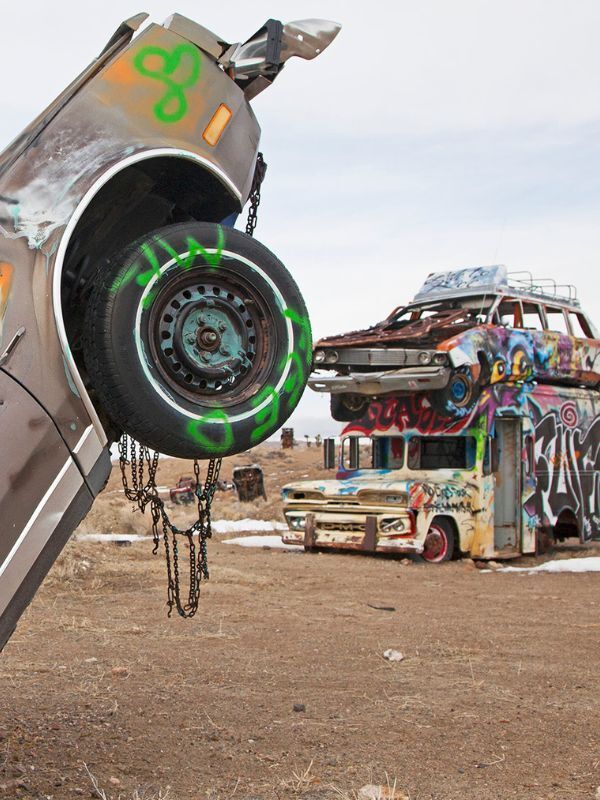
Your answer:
<point x="529" y="455"/>
<point x="389" y="452"/>
<point x="487" y="456"/>
<point x="358" y="452"/>
<point x="441" y="452"/>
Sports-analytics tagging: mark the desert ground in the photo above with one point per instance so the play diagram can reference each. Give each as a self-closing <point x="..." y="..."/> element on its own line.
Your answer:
<point x="278" y="688"/>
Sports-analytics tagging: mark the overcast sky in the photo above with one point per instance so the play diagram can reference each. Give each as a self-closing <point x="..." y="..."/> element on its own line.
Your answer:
<point x="430" y="135"/>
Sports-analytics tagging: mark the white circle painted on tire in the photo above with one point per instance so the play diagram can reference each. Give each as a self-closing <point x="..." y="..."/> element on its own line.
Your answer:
<point x="144" y="362"/>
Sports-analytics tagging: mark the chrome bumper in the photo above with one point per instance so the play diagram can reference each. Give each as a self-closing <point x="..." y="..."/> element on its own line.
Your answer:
<point x="400" y="380"/>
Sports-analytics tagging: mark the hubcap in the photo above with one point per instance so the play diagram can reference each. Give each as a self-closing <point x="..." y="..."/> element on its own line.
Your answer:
<point x="207" y="334"/>
<point x="436" y="545"/>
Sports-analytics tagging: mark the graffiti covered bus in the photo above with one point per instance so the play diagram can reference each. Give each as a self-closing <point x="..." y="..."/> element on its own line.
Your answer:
<point x="520" y="469"/>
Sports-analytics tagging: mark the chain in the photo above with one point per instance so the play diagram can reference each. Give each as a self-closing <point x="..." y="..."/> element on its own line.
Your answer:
<point x="143" y="491"/>
<point x="254" y="198"/>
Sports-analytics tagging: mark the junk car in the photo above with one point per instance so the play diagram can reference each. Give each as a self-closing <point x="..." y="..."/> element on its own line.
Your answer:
<point x="128" y="302"/>
<point x="464" y="330"/>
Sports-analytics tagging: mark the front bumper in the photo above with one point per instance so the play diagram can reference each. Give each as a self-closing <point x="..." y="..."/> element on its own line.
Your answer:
<point x="413" y="379"/>
<point x="368" y="532"/>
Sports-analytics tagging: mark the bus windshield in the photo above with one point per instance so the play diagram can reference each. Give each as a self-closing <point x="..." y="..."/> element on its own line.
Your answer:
<point x="441" y="452"/>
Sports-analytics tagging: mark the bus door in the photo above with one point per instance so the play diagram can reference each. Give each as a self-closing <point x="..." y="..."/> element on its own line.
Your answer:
<point x="507" y="479"/>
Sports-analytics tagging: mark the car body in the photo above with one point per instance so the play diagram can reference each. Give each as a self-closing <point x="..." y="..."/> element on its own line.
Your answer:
<point x="463" y="330"/>
<point x="156" y="138"/>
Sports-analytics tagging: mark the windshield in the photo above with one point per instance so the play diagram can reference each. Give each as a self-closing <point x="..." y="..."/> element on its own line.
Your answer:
<point x="441" y="452"/>
<point x="379" y="452"/>
<point x="476" y="310"/>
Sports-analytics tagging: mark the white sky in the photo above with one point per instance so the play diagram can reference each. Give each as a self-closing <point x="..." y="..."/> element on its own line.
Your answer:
<point x="430" y="135"/>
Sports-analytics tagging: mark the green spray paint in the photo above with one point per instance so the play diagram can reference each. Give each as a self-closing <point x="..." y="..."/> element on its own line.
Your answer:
<point x="268" y="416"/>
<point x="194" y="249"/>
<point x="197" y="428"/>
<point x="172" y="106"/>
<point x="299" y="359"/>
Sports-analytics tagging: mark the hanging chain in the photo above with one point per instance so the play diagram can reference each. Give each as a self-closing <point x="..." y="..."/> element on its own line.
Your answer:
<point x="254" y="198"/>
<point x="143" y="491"/>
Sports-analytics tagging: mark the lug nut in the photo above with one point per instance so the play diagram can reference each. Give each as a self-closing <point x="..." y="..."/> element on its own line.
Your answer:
<point x="222" y="327"/>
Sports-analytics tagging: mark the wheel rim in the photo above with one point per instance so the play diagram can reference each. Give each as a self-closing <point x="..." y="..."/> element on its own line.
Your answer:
<point x="460" y="390"/>
<point x="436" y="545"/>
<point x="207" y="336"/>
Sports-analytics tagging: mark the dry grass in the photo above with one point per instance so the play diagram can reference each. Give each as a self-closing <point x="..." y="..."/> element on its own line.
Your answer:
<point x="138" y="794"/>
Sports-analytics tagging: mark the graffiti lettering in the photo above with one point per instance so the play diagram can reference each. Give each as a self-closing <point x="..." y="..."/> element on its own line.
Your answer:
<point x="194" y="249"/>
<point x="198" y="430"/>
<point x="406" y="413"/>
<point x="162" y="65"/>
<point x="268" y="415"/>
<point x="567" y="469"/>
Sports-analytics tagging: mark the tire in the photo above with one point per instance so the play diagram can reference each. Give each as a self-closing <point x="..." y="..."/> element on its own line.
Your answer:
<point x="439" y="542"/>
<point x="348" y="407"/>
<point x="197" y="341"/>
<point x="459" y="396"/>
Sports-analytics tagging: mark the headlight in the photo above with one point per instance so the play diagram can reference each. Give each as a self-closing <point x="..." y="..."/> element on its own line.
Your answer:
<point x="396" y="498"/>
<point x="297" y="523"/>
<point x="424" y="357"/>
<point x="319" y="356"/>
<point x="439" y="358"/>
<point x="393" y="525"/>
<point x="331" y="357"/>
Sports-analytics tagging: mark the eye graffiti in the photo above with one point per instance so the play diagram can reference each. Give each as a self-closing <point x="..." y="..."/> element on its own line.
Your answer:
<point x="183" y="60"/>
<point x="197" y="430"/>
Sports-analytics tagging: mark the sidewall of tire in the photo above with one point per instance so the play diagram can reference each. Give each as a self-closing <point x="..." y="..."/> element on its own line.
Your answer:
<point x="125" y="376"/>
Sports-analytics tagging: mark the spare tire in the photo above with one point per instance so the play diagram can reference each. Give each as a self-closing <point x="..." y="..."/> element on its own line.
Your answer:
<point x="197" y="341"/>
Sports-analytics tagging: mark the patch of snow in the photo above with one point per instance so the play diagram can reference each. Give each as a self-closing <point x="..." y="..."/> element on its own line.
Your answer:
<point x="242" y="525"/>
<point x="584" y="564"/>
<point x="110" y="537"/>
<point x="273" y="542"/>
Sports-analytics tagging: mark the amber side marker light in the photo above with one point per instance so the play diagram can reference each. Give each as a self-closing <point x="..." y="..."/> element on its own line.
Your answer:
<point x="216" y="126"/>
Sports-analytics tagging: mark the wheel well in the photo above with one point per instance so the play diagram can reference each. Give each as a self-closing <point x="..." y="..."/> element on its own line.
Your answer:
<point x="485" y="369"/>
<point x="140" y="198"/>
<point x="566" y="525"/>
<point x="452" y="525"/>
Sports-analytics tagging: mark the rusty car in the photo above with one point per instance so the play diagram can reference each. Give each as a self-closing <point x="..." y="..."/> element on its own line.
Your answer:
<point x="464" y="329"/>
<point x="128" y="301"/>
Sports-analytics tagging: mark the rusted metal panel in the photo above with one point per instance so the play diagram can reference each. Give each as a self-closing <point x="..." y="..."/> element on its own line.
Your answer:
<point x="370" y="540"/>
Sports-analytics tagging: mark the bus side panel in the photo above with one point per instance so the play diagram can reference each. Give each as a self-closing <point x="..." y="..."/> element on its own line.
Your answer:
<point x="567" y="458"/>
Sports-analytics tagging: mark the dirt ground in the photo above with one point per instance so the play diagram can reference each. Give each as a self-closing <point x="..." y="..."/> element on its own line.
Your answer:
<point x="497" y="695"/>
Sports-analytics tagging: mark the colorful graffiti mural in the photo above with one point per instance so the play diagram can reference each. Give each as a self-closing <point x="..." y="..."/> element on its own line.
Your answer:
<point x="566" y="430"/>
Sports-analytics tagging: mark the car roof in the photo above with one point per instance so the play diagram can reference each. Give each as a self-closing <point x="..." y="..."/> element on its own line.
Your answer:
<point x="495" y="280"/>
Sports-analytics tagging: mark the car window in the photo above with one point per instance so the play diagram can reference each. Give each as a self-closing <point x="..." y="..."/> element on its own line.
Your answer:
<point x="532" y="318"/>
<point x="579" y="325"/>
<point x="509" y="314"/>
<point x="557" y="320"/>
